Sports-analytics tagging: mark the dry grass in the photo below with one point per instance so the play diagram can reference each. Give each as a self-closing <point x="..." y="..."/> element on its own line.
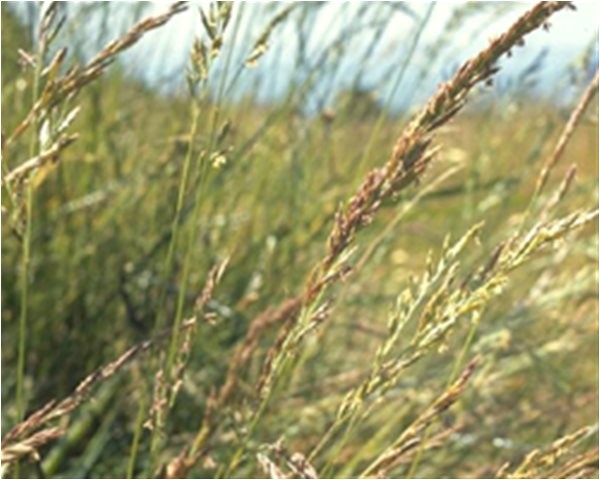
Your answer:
<point x="385" y="333"/>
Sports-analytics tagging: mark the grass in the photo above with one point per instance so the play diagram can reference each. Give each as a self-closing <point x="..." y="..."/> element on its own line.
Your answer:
<point x="201" y="285"/>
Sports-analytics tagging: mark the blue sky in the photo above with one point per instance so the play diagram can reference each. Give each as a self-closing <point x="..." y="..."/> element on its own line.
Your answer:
<point x="570" y="34"/>
<point x="161" y="56"/>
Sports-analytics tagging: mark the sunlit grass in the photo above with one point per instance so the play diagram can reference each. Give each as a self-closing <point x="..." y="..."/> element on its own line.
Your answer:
<point x="216" y="288"/>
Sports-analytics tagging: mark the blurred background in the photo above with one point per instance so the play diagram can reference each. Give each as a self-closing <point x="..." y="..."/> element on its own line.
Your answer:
<point x="376" y="41"/>
<point x="302" y="115"/>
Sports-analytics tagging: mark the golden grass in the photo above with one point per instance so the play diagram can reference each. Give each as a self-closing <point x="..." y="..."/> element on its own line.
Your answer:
<point x="440" y="320"/>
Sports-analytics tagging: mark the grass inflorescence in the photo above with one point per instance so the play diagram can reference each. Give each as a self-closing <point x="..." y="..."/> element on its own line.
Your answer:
<point x="201" y="284"/>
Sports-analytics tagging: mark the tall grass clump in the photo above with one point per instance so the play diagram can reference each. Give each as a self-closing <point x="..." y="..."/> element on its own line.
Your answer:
<point x="259" y="266"/>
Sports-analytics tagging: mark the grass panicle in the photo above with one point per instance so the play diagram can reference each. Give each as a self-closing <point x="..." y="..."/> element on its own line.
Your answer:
<point x="399" y="302"/>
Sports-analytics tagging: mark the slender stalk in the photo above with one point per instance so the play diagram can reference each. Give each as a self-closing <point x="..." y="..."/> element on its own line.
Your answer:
<point x="168" y="265"/>
<point x="383" y="115"/>
<point x="26" y="257"/>
<point x="455" y="371"/>
<point x="137" y="433"/>
<point x="409" y="157"/>
<point x="202" y="166"/>
<point x="24" y="299"/>
<point x="569" y="128"/>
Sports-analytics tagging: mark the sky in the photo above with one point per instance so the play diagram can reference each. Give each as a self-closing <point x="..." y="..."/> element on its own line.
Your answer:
<point x="570" y="34"/>
<point x="160" y="58"/>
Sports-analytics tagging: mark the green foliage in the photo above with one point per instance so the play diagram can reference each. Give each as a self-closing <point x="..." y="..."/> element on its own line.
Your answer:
<point x="133" y="223"/>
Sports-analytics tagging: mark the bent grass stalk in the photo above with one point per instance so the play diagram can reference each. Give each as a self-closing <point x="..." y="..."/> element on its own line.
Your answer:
<point x="342" y="434"/>
<point x="410" y="309"/>
<point x="408" y="57"/>
<point x="566" y="134"/>
<point x="382" y="464"/>
<point x="386" y="233"/>
<point x="413" y="152"/>
<point x="409" y="158"/>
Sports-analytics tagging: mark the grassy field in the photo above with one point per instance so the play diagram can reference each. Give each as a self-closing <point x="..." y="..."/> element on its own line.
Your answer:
<point x="194" y="286"/>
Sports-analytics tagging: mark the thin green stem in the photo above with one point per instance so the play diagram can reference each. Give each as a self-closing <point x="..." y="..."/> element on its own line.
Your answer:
<point x="25" y="263"/>
<point x="455" y="371"/>
<point x="26" y="257"/>
<point x="24" y="299"/>
<point x="168" y="265"/>
<point x="202" y="166"/>
<point x="326" y="471"/>
<point x="137" y="434"/>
